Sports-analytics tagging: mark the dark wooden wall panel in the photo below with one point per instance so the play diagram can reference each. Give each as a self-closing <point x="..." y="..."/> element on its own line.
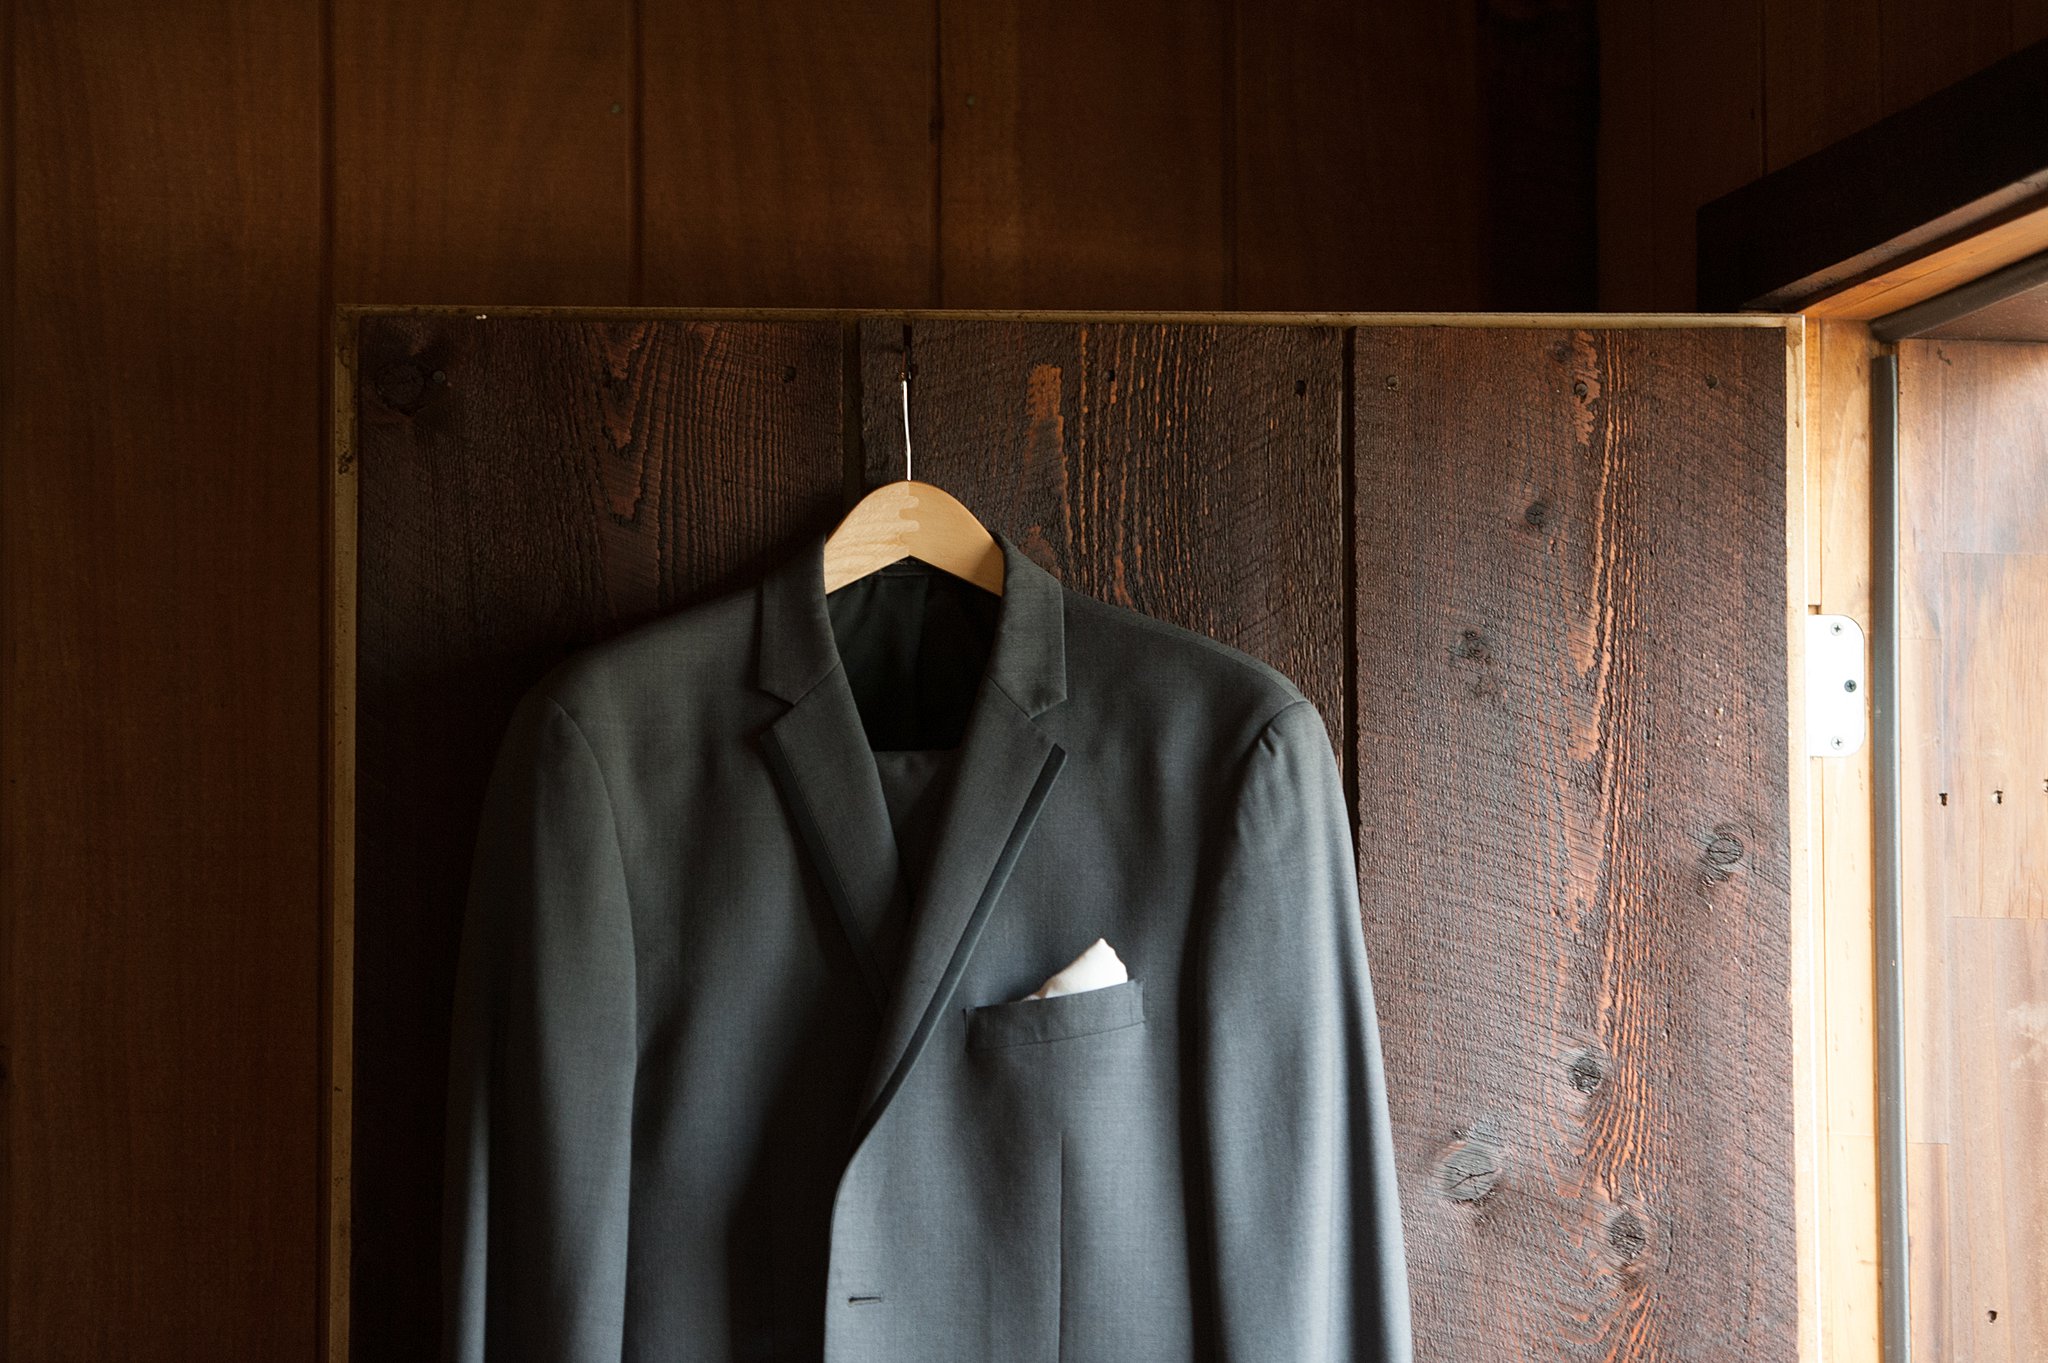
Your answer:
<point x="483" y="154"/>
<point x="527" y="487"/>
<point x="790" y="154"/>
<point x="160" y="517"/>
<point x="1191" y="472"/>
<point x="1573" y="834"/>
<point x="1343" y="113"/>
<point x="1083" y="153"/>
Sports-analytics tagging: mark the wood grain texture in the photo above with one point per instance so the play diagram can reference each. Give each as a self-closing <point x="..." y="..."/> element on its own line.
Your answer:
<point x="1997" y="1186"/>
<point x="1190" y="472"/>
<point x="1573" y="778"/>
<point x="1844" y="1197"/>
<point x="790" y="154"/>
<point x="1684" y="124"/>
<point x="1926" y="46"/>
<point x="1823" y="74"/>
<point x="1340" y="113"/>
<point x="1709" y="66"/>
<point x="1082" y="159"/>
<point x="1631" y="104"/>
<point x="526" y="487"/>
<point x="483" y="154"/>
<point x="1974" y="575"/>
<point x="161" y="808"/>
<point x="1973" y="565"/>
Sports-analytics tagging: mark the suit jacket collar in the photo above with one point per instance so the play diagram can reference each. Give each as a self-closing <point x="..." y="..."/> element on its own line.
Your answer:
<point x="818" y="753"/>
<point x="1028" y="660"/>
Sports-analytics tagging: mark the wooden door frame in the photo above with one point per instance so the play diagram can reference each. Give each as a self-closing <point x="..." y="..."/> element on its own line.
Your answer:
<point x="339" y="602"/>
<point x="1935" y="198"/>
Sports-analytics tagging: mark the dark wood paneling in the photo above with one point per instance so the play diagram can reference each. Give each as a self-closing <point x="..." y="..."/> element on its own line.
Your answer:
<point x="483" y="153"/>
<point x="1572" y="812"/>
<point x="161" y="807"/>
<point x="1823" y="74"/>
<point x="790" y="154"/>
<point x="527" y="487"/>
<point x="1686" y="125"/>
<point x="1538" y="79"/>
<point x="1927" y="46"/>
<point x="1191" y="472"/>
<point x="1083" y="151"/>
<point x="1358" y="172"/>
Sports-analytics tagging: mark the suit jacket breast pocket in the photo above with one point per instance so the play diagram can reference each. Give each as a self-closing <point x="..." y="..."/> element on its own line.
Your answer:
<point x="1027" y="1022"/>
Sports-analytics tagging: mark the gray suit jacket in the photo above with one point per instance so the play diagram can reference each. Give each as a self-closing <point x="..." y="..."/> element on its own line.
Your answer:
<point x="705" y="1106"/>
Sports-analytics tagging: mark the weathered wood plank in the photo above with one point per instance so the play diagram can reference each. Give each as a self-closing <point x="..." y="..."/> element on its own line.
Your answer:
<point x="1572" y="747"/>
<point x="1190" y="472"/>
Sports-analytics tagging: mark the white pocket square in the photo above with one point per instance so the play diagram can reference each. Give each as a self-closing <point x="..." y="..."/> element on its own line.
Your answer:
<point x="1095" y="968"/>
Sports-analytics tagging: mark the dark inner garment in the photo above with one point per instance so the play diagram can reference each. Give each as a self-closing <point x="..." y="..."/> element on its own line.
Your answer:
<point x="915" y="641"/>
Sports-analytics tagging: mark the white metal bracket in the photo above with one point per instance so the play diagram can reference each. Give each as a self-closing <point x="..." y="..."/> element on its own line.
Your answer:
<point x="1835" y="690"/>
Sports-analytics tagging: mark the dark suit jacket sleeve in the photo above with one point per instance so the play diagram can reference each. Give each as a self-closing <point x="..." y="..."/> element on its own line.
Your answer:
<point x="542" y="1062"/>
<point x="1309" y="1262"/>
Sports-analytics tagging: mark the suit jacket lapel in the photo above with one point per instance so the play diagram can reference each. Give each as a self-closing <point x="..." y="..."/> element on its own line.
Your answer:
<point x="1006" y="767"/>
<point x="820" y="757"/>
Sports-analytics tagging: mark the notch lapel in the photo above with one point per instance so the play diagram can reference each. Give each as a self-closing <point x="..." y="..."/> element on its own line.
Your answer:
<point x="818" y="752"/>
<point x="1006" y="767"/>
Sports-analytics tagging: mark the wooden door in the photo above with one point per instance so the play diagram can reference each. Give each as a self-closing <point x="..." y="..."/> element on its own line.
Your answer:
<point x="1973" y="803"/>
<point x="1533" y="573"/>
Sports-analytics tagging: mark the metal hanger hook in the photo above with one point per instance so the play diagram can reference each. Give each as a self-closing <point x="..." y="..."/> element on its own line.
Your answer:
<point x="906" y="423"/>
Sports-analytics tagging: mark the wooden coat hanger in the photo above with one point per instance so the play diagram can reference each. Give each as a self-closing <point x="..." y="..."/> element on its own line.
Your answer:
<point x="907" y="518"/>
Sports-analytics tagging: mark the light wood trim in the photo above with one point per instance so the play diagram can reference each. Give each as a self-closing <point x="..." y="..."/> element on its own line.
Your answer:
<point x="1938" y="271"/>
<point x="1840" y="1040"/>
<point x="1806" y="1031"/>
<point x="1591" y="321"/>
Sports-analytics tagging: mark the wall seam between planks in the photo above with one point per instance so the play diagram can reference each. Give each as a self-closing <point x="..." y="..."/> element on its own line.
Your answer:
<point x="636" y="152"/>
<point x="1229" y="157"/>
<point x="852" y="414"/>
<point x="1347" y="484"/>
<point x="9" y="672"/>
<point x="331" y="1290"/>
<point x="936" y="285"/>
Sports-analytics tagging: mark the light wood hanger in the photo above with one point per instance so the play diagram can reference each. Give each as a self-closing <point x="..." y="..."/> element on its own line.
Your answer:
<point x="909" y="519"/>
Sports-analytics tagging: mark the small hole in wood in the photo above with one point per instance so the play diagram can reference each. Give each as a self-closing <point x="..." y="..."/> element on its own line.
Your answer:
<point x="1944" y="797"/>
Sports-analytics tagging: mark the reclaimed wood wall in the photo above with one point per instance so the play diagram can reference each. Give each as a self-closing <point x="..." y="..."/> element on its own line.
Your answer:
<point x="1533" y="577"/>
